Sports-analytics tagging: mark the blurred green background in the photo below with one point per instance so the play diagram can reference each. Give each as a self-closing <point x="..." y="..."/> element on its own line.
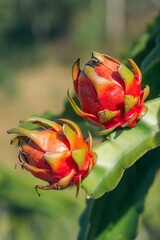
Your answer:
<point x="39" y="41"/>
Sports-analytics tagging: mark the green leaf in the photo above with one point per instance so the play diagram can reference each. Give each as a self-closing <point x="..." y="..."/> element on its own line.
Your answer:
<point x="116" y="214"/>
<point x="151" y="59"/>
<point x="151" y="77"/>
<point x="150" y="68"/>
<point x="144" y="45"/>
<point x="153" y="56"/>
<point x="122" y="150"/>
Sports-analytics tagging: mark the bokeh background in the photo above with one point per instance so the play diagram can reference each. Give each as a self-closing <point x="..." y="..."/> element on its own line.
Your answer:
<point x="39" y="41"/>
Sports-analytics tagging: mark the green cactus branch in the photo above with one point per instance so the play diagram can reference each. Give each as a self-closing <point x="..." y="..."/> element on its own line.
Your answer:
<point x="116" y="215"/>
<point x="122" y="149"/>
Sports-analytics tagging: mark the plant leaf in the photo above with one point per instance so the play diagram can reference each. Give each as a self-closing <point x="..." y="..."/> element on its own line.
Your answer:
<point x="116" y="215"/>
<point x="153" y="56"/>
<point x="152" y="78"/>
<point x="122" y="150"/>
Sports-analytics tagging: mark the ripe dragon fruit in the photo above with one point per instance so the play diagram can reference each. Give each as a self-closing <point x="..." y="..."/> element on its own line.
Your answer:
<point x="109" y="93"/>
<point x="56" y="154"/>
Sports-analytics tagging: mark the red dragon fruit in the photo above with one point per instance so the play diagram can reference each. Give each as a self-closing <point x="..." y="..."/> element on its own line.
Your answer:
<point x="56" y="154"/>
<point x="109" y="93"/>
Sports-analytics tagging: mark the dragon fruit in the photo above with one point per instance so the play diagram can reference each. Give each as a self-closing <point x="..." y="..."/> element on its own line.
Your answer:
<point x="56" y="154"/>
<point x="109" y="93"/>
